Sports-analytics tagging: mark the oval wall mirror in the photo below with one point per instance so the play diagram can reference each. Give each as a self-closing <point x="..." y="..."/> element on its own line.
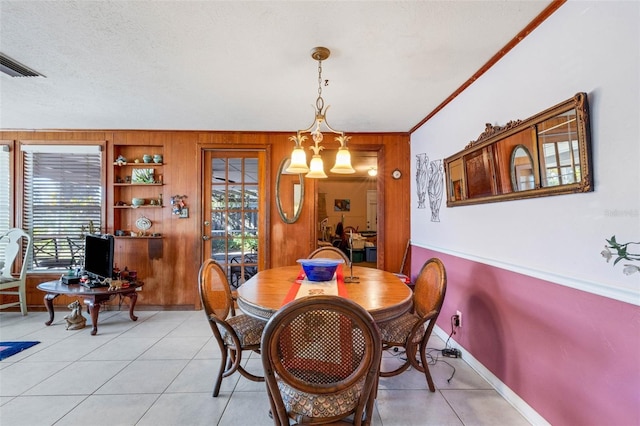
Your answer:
<point x="522" y="177"/>
<point x="289" y="193"/>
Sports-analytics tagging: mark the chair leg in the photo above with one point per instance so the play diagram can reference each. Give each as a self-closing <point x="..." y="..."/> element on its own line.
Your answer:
<point x="427" y="373"/>
<point x="22" y="294"/>
<point x="405" y="365"/>
<point x="223" y="365"/>
<point x="424" y="367"/>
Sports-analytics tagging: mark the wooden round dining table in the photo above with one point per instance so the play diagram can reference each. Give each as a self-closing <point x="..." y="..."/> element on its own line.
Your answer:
<point x="380" y="292"/>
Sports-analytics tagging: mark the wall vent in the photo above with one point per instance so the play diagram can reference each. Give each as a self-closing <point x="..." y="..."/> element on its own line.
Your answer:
<point x="16" y="69"/>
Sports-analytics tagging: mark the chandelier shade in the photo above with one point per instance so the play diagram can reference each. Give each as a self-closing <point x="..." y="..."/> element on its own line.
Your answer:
<point x="315" y="170"/>
<point x="298" y="163"/>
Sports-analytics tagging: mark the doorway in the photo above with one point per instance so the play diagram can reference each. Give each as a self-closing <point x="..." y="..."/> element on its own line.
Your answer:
<point x="351" y="202"/>
<point x="233" y="211"/>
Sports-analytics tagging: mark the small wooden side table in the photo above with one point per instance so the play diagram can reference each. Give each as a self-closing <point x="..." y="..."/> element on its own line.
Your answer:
<point x="93" y="297"/>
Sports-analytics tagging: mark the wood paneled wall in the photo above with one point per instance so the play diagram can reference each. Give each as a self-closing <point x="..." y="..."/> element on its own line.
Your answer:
<point x="171" y="277"/>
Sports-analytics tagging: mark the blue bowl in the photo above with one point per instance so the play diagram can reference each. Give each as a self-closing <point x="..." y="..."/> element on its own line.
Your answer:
<point x="320" y="269"/>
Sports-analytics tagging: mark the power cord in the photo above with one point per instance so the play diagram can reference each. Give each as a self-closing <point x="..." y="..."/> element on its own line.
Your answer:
<point x="431" y="358"/>
<point x="448" y="351"/>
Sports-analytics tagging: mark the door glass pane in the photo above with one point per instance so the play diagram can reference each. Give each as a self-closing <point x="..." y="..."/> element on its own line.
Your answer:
<point x="251" y="197"/>
<point x="234" y="214"/>
<point x="251" y="170"/>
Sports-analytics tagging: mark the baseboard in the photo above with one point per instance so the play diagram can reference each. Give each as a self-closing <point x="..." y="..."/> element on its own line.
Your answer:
<point x="510" y="396"/>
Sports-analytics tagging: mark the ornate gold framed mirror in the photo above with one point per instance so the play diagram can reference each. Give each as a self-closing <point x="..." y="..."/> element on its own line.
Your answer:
<point x="289" y="193"/>
<point x="547" y="154"/>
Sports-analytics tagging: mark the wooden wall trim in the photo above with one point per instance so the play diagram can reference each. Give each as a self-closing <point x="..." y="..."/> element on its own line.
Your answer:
<point x="542" y="16"/>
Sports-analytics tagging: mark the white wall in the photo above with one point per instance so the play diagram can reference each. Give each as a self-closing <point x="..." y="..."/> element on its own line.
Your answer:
<point x="591" y="47"/>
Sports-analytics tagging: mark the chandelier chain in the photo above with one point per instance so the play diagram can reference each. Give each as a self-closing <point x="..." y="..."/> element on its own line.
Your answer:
<point x="319" y="101"/>
<point x="298" y="162"/>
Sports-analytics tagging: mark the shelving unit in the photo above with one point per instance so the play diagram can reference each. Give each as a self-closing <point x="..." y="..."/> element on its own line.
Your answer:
<point x="135" y="178"/>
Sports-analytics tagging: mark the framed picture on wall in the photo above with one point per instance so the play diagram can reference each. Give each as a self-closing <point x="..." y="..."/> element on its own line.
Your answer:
<point x="341" y="205"/>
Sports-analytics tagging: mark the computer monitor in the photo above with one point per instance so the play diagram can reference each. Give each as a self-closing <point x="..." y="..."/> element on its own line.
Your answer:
<point x="98" y="256"/>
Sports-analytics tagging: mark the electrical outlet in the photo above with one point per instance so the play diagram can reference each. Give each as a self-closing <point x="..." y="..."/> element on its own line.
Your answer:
<point x="459" y="315"/>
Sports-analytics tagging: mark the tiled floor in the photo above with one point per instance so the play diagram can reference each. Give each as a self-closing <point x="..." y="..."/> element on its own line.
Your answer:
<point x="160" y="371"/>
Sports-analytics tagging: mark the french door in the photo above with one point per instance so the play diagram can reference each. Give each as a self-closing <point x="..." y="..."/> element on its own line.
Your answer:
<point x="233" y="211"/>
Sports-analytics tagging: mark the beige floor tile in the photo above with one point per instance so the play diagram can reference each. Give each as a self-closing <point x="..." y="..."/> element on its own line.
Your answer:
<point x="143" y="377"/>
<point x="175" y="348"/>
<point x="126" y="349"/>
<point x="184" y="409"/>
<point x="483" y="407"/>
<point x="247" y="409"/>
<point x="420" y="408"/>
<point x="199" y="377"/>
<point x="38" y="410"/>
<point x="20" y="377"/>
<point x="109" y="410"/>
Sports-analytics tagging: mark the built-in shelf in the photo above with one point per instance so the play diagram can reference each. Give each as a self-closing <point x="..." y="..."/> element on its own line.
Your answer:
<point x="138" y="207"/>
<point x="138" y="184"/>
<point x="147" y="237"/>
<point x="138" y="164"/>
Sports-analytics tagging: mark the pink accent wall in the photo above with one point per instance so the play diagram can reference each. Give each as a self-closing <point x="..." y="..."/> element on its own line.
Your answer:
<point x="573" y="356"/>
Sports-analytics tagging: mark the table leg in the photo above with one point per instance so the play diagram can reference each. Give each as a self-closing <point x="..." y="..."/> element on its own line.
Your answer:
<point x="94" y="309"/>
<point x="133" y="297"/>
<point x="48" y="302"/>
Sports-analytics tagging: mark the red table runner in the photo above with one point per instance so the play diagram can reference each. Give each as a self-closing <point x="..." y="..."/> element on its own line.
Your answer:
<point x="293" y="291"/>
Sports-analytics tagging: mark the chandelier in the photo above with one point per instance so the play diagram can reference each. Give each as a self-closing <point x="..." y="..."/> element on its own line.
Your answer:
<point x="315" y="169"/>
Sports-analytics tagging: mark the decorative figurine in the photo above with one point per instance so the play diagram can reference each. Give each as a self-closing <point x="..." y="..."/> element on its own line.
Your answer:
<point x="75" y="320"/>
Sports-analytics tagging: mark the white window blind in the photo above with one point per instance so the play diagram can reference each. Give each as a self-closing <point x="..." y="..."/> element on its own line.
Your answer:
<point x="5" y="190"/>
<point x="62" y="198"/>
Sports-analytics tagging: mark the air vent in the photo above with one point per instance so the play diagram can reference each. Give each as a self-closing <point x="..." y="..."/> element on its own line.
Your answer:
<point x="16" y="69"/>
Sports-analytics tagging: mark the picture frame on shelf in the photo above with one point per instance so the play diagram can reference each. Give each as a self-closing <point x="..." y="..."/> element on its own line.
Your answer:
<point x="142" y="176"/>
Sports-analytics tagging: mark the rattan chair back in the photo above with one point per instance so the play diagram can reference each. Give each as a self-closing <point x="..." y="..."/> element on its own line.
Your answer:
<point x="321" y="358"/>
<point x="412" y="330"/>
<point x="329" y="253"/>
<point x="430" y="287"/>
<point x="234" y="333"/>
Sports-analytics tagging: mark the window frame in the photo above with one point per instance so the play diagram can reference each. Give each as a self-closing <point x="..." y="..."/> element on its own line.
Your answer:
<point x="6" y="192"/>
<point x="98" y="147"/>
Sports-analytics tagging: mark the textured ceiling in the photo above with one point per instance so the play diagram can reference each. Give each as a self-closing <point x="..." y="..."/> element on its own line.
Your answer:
<point x="237" y="65"/>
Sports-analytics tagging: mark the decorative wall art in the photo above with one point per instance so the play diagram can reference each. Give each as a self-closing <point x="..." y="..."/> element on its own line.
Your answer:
<point x="179" y="206"/>
<point x="622" y="253"/>
<point x="435" y="188"/>
<point x="341" y="205"/>
<point x="142" y="176"/>
<point x="422" y="179"/>
<point x="429" y="181"/>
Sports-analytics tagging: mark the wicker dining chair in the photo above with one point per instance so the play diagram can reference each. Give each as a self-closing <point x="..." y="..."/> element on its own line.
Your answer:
<point x="321" y="358"/>
<point x="329" y="253"/>
<point x="234" y="333"/>
<point x="412" y="330"/>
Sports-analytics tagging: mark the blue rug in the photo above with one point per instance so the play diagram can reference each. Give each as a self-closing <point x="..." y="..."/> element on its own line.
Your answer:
<point x="11" y="348"/>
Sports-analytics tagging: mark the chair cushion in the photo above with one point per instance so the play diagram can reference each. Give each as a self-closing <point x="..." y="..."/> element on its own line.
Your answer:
<point x="248" y="330"/>
<point x="397" y="330"/>
<point x="302" y="404"/>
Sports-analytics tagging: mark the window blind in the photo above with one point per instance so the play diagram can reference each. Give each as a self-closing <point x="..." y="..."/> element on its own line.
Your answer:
<point x="62" y="199"/>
